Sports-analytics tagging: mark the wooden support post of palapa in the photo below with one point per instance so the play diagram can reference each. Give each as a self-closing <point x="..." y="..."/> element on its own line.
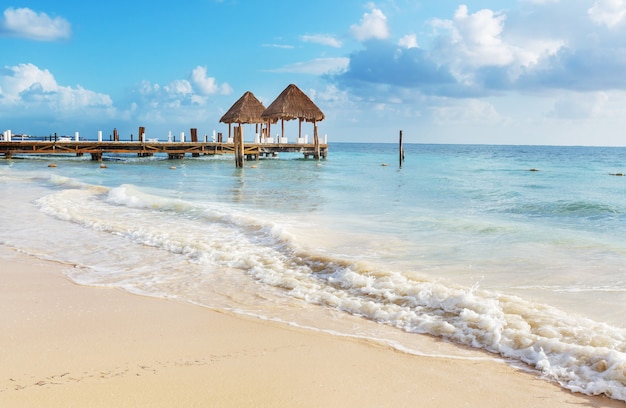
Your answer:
<point x="316" y="143"/>
<point x="239" y="148"/>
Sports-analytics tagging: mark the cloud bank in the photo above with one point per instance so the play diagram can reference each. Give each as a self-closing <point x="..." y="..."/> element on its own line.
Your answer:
<point x="476" y="54"/>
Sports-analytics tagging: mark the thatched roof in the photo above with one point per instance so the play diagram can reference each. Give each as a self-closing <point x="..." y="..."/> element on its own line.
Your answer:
<point x="292" y="103"/>
<point x="247" y="109"/>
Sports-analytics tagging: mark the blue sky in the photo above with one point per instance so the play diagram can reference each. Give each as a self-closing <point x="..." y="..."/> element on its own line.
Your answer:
<point x="480" y="71"/>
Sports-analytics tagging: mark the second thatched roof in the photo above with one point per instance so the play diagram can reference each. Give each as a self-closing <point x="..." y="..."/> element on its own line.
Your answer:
<point x="247" y="109"/>
<point x="292" y="103"/>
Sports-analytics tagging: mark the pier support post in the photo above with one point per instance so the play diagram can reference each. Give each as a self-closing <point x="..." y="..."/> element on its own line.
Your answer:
<point x="194" y="139"/>
<point x="142" y="134"/>
<point x="239" y="149"/>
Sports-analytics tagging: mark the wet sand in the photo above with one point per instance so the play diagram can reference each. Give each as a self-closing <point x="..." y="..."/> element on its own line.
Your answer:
<point x="65" y="345"/>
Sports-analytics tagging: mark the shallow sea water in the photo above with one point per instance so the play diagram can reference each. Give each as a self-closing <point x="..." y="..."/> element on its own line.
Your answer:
<point x="463" y="242"/>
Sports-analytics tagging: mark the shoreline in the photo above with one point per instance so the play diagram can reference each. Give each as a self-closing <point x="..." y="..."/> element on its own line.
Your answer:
<point x="66" y="345"/>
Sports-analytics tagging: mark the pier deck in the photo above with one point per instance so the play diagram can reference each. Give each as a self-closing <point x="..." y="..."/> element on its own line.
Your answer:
<point x="174" y="150"/>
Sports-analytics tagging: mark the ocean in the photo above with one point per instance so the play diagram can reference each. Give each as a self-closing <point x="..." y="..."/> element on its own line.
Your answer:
<point x="519" y="251"/>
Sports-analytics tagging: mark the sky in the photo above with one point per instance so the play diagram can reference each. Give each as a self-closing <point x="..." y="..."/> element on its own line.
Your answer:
<point x="521" y="72"/>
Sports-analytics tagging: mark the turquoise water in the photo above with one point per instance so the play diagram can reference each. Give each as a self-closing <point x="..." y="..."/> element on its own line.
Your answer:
<point x="463" y="242"/>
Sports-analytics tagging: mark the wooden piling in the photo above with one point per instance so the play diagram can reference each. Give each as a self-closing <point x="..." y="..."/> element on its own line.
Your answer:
<point x="142" y="134"/>
<point x="116" y="137"/>
<point x="239" y="149"/>
<point x="401" y="150"/>
<point x="194" y="139"/>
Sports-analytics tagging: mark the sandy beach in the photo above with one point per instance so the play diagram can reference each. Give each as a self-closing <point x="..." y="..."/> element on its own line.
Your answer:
<point x="65" y="345"/>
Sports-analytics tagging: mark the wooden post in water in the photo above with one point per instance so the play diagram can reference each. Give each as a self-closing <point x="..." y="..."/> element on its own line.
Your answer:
<point x="116" y="137"/>
<point x="142" y="134"/>
<point x="401" y="150"/>
<point x="238" y="140"/>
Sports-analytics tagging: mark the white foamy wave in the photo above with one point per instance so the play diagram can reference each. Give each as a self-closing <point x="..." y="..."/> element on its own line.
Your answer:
<point x="130" y="196"/>
<point x="203" y="234"/>
<point x="580" y="354"/>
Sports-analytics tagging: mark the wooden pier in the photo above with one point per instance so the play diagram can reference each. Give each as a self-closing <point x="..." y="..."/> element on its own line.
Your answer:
<point x="174" y="150"/>
<point x="292" y="103"/>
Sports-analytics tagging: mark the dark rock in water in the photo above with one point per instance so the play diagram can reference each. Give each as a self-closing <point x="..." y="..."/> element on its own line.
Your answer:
<point x="533" y="169"/>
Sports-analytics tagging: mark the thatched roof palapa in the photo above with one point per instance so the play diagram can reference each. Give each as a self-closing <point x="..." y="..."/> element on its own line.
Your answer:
<point x="247" y="109"/>
<point x="292" y="103"/>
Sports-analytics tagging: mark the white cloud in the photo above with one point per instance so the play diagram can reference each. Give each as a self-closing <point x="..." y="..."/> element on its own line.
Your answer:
<point x="322" y="39"/>
<point x="408" y="41"/>
<point x="472" y="41"/>
<point x="478" y="35"/>
<point x="178" y="103"/>
<point x="373" y="26"/>
<point x="24" y="22"/>
<point x="178" y="87"/>
<point x="17" y="79"/>
<point x="318" y="66"/>
<point x="174" y="94"/>
<point x="608" y="12"/>
<point x="206" y="85"/>
<point x="26" y="85"/>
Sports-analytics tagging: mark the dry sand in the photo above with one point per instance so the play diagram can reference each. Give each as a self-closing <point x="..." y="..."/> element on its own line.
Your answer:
<point x="64" y="345"/>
